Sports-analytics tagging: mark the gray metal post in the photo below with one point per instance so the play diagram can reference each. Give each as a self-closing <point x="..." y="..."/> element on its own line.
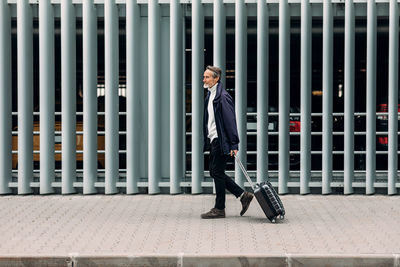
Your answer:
<point x="262" y="91"/>
<point x="219" y="37"/>
<point x="241" y="84"/>
<point x="183" y="98"/>
<point x="68" y="95"/>
<point x="393" y="95"/>
<point x="111" y="34"/>
<point x="371" y="98"/>
<point x="132" y="96"/>
<point x="349" y="98"/>
<point x="5" y="98"/>
<point x="47" y="95"/>
<point x="89" y="97"/>
<point x="25" y="96"/>
<point x="284" y="95"/>
<point x="327" y="102"/>
<point x="154" y="98"/>
<point x="197" y="95"/>
<point x="176" y="72"/>
<point x="305" y="138"/>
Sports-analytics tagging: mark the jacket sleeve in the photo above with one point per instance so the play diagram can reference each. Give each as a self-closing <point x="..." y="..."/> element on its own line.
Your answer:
<point x="229" y="122"/>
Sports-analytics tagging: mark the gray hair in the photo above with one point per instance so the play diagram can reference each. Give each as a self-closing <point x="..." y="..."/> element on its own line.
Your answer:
<point x="215" y="70"/>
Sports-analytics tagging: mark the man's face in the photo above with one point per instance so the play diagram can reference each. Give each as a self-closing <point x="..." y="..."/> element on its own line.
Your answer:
<point x="208" y="79"/>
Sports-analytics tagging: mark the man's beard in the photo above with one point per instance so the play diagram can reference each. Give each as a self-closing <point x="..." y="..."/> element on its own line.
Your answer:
<point x="205" y="86"/>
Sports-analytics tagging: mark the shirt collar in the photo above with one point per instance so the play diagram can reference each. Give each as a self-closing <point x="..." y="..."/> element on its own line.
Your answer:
<point x="213" y="89"/>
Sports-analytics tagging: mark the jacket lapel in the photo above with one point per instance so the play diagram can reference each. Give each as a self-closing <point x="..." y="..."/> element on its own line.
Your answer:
<point x="218" y="93"/>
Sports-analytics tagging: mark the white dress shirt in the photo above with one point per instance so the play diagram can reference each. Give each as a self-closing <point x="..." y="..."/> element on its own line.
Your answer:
<point x="212" y="129"/>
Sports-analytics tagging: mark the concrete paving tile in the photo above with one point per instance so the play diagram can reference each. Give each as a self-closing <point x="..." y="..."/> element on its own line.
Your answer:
<point x="169" y="225"/>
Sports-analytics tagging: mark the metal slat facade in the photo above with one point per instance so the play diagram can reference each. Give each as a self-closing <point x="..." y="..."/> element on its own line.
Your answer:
<point x="89" y="47"/>
<point x="106" y="96"/>
<point x="25" y="96"/>
<point x="5" y="98"/>
<point x="349" y="98"/>
<point x="47" y="96"/>
<point x="305" y="146"/>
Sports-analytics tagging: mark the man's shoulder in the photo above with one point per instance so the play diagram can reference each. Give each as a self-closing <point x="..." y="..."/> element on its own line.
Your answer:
<point x="225" y="95"/>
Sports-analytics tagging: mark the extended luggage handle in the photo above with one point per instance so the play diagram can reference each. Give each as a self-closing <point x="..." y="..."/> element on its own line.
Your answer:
<point x="245" y="172"/>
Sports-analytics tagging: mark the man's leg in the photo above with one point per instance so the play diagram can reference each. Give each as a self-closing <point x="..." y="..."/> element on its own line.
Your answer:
<point x="217" y="172"/>
<point x="233" y="187"/>
<point x="216" y="165"/>
<point x="222" y="181"/>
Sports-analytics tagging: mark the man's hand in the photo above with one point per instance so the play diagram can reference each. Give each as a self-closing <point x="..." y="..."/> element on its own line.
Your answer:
<point x="233" y="151"/>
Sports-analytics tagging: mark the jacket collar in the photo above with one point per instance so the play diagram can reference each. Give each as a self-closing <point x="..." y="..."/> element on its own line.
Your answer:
<point x="219" y="92"/>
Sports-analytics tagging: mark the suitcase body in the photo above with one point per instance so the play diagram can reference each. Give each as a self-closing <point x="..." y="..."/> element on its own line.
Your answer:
<point x="269" y="201"/>
<point x="266" y="196"/>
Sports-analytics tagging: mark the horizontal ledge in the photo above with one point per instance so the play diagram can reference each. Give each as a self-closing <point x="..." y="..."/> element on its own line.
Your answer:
<point x="206" y="184"/>
<point x="314" y="152"/>
<point x="37" y="113"/>
<point x="203" y="1"/>
<point x="15" y="133"/>
<point x="273" y="173"/>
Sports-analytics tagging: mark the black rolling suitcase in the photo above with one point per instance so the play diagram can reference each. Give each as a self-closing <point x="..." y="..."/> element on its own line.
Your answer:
<point x="266" y="196"/>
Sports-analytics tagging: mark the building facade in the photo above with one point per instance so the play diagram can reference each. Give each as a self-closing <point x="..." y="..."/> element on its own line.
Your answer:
<point x="106" y="96"/>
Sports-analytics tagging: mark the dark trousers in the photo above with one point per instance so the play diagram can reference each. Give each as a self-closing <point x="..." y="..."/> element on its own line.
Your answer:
<point x="221" y="180"/>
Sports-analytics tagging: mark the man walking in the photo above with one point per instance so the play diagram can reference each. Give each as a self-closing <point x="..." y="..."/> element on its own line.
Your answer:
<point x="220" y="134"/>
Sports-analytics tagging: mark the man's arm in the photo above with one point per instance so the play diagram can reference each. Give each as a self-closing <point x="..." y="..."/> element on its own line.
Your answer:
<point x="229" y="121"/>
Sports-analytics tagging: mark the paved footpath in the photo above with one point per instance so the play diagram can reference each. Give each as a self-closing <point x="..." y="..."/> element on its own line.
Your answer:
<point x="164" y="230"/>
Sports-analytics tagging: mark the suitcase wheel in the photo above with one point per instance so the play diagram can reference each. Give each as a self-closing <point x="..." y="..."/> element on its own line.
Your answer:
<point x="273" y="220"/>
<point x="281" y="217"/>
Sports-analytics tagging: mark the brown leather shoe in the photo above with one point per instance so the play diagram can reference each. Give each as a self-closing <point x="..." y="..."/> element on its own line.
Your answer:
<point x="214" y="213"/>
<point x="246" y="199"/>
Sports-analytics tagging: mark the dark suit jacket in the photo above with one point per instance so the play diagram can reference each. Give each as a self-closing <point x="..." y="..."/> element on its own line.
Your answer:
<point x="225" y="120"/>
